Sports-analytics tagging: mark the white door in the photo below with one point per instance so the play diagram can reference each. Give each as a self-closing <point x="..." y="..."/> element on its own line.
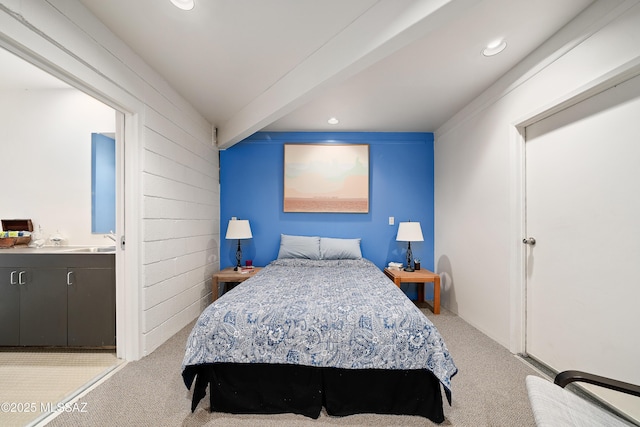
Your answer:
<point x="583" y="209"/>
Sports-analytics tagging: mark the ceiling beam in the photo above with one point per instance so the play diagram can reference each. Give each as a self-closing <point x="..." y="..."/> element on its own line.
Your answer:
<point x="380" y="31"/>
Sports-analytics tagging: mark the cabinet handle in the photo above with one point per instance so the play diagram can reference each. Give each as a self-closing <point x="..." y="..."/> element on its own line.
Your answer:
<point x="20" y="278"/>
<point x="69" y="283"/>
<point x="13" y="278"/>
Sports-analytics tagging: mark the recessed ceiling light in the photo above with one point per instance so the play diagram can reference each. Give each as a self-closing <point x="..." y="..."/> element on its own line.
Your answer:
<point x="333" y="121"/>
<point x="494" y="48"/>
<point x="184" y="4"/>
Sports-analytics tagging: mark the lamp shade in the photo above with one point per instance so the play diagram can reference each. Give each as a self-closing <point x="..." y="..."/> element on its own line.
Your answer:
<point x="409" y="232"/>
<point x="238" y="229"/>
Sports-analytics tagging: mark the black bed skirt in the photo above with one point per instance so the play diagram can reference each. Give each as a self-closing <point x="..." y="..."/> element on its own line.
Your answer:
<point x="276" y="389"/>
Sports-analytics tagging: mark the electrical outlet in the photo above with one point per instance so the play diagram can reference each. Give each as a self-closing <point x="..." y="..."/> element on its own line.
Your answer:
<point x="392" y="220"/>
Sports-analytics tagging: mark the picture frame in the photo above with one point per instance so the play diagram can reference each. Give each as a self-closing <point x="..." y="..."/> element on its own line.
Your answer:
<point x="329" y="178"/>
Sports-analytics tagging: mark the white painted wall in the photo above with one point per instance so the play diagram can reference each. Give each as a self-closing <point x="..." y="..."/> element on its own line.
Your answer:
<point x="477" y="171"/>
<point x="171" y="167"/>
<point x="46" y="147"/>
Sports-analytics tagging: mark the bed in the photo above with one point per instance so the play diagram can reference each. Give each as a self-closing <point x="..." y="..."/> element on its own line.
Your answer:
<point x="303" y="334"/>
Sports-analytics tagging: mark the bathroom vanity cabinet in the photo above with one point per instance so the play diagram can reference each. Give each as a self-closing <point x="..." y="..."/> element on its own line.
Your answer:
<point x="57" y="299"/>
<point x="91" y="306"/>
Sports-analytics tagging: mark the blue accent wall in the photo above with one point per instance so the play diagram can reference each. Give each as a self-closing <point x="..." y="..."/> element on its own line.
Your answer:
<point x="400" y="185"/>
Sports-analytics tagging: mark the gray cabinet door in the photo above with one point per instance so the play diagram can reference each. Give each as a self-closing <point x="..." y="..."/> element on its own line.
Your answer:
<point x="9" y="307"/>
<point x="43" y="307"/>
<point x="92" y="307"/>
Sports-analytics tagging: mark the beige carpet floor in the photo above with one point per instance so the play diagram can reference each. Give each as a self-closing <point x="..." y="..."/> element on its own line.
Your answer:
<point x="33" y="381"/>
<point x="489" y="390"/>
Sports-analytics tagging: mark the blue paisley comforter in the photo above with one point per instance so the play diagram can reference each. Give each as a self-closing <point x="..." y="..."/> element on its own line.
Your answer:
<point x="340" y="313"/>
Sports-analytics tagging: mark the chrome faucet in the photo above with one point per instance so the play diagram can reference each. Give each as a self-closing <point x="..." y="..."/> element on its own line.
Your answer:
<point x="111" y="235"/>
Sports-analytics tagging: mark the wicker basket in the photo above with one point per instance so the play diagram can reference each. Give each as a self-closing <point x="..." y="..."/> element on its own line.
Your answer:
<point x="7" y="242"/>
<point x="23" y="240"/>
<point x="16" y="225"/>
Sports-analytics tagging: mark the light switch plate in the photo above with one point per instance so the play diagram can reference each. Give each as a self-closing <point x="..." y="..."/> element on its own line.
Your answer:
<point x="392" y="220"/>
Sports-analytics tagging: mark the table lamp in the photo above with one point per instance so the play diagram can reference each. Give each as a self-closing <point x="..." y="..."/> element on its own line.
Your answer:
<point x="238" y="229"/>
<point x="409" y="232"/>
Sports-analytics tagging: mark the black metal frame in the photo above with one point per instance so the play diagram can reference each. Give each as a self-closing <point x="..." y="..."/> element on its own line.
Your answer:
<point x="566" y="377"/>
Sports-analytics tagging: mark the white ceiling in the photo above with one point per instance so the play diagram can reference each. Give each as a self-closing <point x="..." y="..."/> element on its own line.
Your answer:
<point x="289" y="65"/>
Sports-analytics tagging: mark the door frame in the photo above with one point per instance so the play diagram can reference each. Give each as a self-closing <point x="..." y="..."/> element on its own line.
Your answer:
<point x="517" y="140"/>
<point x="37" y="51"/>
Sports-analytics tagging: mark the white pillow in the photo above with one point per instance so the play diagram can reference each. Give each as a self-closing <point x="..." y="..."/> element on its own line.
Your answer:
<point x="307" y="247"/>
<point x="331" y="248"/>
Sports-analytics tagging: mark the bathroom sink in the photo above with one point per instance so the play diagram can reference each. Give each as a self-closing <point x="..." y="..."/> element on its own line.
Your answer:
<point x="94" y="249"/>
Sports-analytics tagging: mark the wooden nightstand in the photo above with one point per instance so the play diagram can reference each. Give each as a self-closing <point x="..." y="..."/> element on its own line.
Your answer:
<point x="418" y="276"/>
<point x="229" y="275"/>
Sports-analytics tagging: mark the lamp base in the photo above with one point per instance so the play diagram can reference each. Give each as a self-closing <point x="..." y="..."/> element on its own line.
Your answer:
<point x="409" y="256"/>
<point x="238" y="257"/>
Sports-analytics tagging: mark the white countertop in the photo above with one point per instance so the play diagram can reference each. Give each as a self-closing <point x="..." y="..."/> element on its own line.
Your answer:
<point x="59" y="250"/>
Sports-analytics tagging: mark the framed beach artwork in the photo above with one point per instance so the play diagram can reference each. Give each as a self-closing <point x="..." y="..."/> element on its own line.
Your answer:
<point x="326" y="178"/>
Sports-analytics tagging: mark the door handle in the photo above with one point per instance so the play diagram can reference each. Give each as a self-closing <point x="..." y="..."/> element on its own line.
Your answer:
<point x="13" y="278"/>
<point x="20" y="278"/>
<point x="69" y="274"/>
<point x="529" y="241"/>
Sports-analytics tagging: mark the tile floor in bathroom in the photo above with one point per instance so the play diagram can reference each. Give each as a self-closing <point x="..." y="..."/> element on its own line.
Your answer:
<point x="34" y="381"/>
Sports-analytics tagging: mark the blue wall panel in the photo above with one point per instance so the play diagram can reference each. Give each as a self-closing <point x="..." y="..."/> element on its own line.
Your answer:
<point x="401" y="186"/>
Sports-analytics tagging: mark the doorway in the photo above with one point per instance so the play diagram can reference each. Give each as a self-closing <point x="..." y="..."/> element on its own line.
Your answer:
<point x="583" y="210"/>
<point x="52" y="184"/>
